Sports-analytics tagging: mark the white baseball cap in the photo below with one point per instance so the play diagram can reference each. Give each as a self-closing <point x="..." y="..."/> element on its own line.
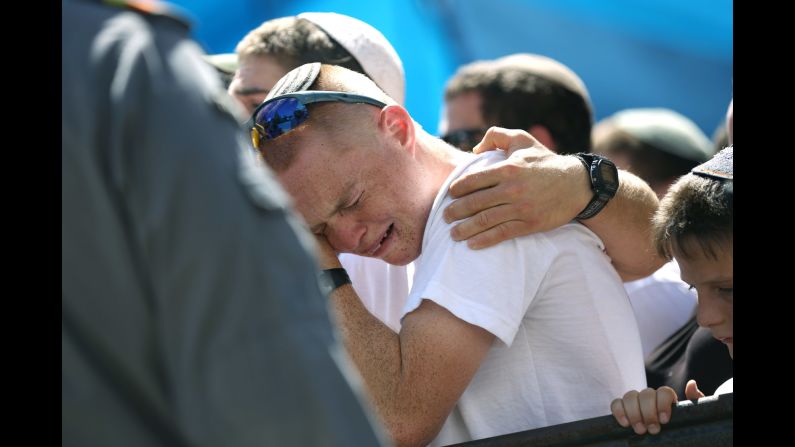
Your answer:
<point x="371" y="49"/>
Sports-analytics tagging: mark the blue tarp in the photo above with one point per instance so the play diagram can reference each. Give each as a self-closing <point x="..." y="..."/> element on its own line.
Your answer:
<point x="630" y="53"/>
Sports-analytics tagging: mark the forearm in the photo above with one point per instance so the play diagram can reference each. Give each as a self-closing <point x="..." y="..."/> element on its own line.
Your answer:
<point x="624" y="225"/>
<point x="413" y="378"/>
<point x="373" y="346"/>
<point x="377" y="353"/>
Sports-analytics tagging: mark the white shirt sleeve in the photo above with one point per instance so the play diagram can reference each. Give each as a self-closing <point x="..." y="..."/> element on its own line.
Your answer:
<point x="491" y="288"/>
<point x="726" y="387"/>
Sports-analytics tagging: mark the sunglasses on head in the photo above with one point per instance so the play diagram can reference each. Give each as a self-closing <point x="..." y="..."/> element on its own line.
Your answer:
<point x="283" y="113"/>
<point x="465" y="139"/>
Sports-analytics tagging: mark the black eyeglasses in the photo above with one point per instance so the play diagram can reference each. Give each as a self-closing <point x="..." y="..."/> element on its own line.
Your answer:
<point x="283" y="113"/>
<point x="465" y="139"/>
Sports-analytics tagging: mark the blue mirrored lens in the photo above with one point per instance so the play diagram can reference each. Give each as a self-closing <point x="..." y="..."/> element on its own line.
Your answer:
<point x="281" y="116"/>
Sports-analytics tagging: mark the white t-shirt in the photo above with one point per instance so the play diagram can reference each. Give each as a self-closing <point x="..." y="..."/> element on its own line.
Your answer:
<point x="567" y="342"/>
<point x="726" y="387"/>
<point x="662" y="303"/>
<point x="382" y="288"/>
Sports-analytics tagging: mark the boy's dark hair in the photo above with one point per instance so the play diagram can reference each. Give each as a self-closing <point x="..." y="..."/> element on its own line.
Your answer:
<point x="697" y="211"/>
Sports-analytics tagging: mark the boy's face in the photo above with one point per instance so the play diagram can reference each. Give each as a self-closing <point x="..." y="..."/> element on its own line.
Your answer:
<point x="713" y="279"/>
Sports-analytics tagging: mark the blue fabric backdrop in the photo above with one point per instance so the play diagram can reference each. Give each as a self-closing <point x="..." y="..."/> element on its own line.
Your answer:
<point x="630" y="53"/>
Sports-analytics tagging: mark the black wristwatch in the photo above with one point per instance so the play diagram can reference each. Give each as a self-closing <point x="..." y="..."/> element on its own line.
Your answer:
<point x="331" y="279"/>
<point x="604" y="181"/>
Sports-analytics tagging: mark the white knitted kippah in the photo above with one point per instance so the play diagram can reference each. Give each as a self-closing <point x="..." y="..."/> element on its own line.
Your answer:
<point x="374" y="53"/>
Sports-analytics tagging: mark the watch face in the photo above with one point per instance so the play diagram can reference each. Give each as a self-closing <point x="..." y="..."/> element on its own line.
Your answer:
<point x="609" y="175"/>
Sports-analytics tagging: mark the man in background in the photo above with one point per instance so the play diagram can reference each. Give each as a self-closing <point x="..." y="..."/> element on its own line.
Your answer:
<point x="521" y="91"/>
<point x="530" y="333"/>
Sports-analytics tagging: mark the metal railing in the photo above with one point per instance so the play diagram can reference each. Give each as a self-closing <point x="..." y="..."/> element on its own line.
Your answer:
<point x="709" y="422"/>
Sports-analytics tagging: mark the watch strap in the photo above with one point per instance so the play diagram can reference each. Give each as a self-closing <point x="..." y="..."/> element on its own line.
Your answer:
<point x="331" y="279"/>
<point x="601" y="194"/>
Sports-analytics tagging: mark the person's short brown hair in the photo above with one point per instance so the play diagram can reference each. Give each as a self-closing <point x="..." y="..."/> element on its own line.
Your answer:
<point x="294" y="41"/>
<point x="515" y="97"/>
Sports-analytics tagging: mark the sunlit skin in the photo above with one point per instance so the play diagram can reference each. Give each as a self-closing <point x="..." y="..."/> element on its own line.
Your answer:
<point x="713" y="280"/>
<point x="364" y="188"/>
<point x="254" y="78"/>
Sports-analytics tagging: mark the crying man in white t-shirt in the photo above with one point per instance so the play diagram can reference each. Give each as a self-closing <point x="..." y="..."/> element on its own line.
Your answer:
<point x="531" y="332"/>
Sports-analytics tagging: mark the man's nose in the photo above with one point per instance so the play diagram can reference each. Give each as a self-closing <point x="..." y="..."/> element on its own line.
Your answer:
<point x="346" y="235"/>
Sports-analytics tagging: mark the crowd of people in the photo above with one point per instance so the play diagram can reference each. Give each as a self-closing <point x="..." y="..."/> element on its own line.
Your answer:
<point x="265" y="247"/>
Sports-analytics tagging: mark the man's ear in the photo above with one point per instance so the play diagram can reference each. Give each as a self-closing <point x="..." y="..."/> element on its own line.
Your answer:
<point x="396" y="123"/>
